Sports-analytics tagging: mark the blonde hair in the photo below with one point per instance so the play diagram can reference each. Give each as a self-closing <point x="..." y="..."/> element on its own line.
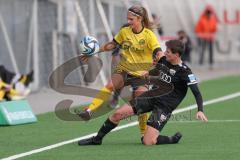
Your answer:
<point x="140" y="11"/>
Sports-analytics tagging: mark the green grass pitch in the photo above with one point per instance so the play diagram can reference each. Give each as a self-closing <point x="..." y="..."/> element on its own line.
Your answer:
<point x="216" y="140"/>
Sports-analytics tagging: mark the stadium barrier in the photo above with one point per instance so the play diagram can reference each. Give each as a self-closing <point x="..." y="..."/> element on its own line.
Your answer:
<point x="16" y="112"/>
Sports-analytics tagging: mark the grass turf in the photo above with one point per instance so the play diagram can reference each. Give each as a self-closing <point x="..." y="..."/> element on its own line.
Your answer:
<point x="212" y="140"/>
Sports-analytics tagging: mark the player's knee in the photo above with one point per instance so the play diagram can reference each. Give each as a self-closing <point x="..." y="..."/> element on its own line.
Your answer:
<point x="114" y="85"/>
<point x="116" y="117"/>
<point x="149" y="141"/>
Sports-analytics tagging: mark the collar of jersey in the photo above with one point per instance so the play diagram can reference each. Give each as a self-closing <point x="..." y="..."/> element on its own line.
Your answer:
<point x="139" y="31"/>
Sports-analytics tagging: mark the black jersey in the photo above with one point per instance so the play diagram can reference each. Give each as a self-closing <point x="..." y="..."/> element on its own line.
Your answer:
<point x="180" y="76"/>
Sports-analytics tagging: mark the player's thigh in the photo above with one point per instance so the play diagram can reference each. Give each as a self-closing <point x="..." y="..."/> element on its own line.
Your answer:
<point x="116" y="82"/>
<point x="121" y="113"/>
<point x="141" y="105"/>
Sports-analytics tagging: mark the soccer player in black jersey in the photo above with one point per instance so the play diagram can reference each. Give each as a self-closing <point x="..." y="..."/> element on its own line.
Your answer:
<point x="170" y="72"/>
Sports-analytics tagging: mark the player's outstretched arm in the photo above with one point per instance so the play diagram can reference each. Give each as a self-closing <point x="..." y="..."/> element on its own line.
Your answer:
<point x="108" y="46"/>
<point x="198" y="97"/>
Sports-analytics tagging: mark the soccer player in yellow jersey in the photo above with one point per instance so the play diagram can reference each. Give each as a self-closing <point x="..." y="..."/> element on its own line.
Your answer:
<point x="139" y="45"/>
<point x="14" y="86"/>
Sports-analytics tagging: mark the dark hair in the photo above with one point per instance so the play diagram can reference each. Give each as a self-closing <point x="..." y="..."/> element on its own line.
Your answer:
<point x="175" y="46"/>
<point x="181" y="32"/>
<point x="141" y="12"/>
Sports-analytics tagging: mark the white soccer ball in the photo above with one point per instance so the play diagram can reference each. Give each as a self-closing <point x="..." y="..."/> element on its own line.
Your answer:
<point x="89" y="46"/>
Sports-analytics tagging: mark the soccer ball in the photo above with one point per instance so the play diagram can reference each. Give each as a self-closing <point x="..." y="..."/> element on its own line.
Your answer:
<point x="89" y="46"/>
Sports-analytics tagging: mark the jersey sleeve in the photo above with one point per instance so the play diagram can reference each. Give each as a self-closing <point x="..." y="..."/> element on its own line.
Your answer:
<point x="189" y="77"/>
<point x="198" y="96"/>
<point x="153" y="41"/>
<point x="191" y="81"/>
<point x="119" y="37"/>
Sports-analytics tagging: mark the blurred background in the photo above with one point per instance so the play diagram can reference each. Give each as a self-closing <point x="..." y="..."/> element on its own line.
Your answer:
<point x="40" y="35"/>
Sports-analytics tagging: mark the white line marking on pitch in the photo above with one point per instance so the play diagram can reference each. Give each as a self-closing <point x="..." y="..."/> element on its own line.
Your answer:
<point x="209" y="121"/>
<point x="216" y="100"/>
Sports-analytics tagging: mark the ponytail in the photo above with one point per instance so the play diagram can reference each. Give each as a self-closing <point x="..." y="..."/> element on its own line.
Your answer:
<point x="146" y="21"/>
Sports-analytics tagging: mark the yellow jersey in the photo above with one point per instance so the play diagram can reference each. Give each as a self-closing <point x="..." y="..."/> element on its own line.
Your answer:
<point x="136" y="50"/>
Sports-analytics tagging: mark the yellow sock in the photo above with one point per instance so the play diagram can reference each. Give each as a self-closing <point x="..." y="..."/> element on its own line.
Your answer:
<point x="142" y="122"/>
<point x="100" y="98"/>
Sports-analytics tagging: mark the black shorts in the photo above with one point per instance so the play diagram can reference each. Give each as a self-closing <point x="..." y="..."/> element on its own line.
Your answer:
<point x="131" y="80"/>
<point x="159" y="115"/>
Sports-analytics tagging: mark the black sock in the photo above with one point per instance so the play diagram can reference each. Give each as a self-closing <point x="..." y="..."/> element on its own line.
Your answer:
<point x="164" y="140"/>
<point x="105" y="129"/>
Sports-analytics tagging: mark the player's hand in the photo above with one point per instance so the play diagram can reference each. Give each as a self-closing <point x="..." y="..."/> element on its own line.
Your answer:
<point x="145" y="75"/>
<point x="84" y="58"/>
<point x="201" y="116"/>
<point x="158" y="56"/>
